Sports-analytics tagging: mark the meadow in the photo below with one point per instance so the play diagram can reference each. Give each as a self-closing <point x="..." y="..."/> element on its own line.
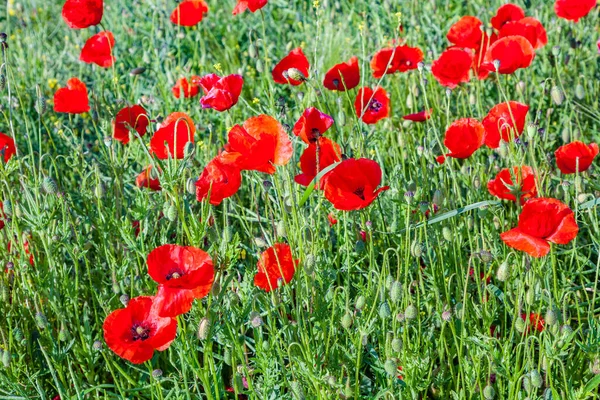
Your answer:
<point x="291" y="199"/>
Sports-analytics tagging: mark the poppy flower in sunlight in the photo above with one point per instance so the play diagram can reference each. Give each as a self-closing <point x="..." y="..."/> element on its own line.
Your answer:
<point x="189" y="12"/>
<point x="189" y="88"/>
<point x="504" y="187"/>
<point x="252" y="5"/>
<point x="343" y="76"/>
<point x="7" y="147"/>
<point x="170" y="139"/>
<point x="453" y="67"/>
<point x="511" y="53"/>
<point x="312" y="124"/>
<point x="276" y="266"/>
<point x="536" y="321"/>
<point x="528" y="27"/>
<point x="575" y="157"/>
<point x="134" y="332"/>
<point x="220" y="178"/>
<point x="507" y="13"/>
<point x="148" y="179"/>
<point x="372" y="106"/>
<point x="183" y="273"/>
<point x="542" y="221"/>
<point x="79" y="14"/>
<point x="220" y="93"/>
<point x="72" y="99"/>
<point x="127" y="118"/>
<point x="421" y="116"/>
<point x="99" y="50"/>
<point x="466" y="33"/>
<point x="329" y="153"/>
<point x="397" y="59"/>
<point x="504" y="122"/>
<point x="573" y="10"/>
<point x="463" y="138"/>
<point x="292" y="69"/>
<point x="260" y="144"/>
<point x="352" y="185"/>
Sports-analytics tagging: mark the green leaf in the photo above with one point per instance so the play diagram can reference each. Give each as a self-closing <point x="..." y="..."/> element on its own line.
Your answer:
<point x="311" y="187"/>
<point x="589" y="204"/>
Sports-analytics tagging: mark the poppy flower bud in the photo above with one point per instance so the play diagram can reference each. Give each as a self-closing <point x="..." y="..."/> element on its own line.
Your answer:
<point x="190" y="185"/>
<point x="170" y="211"/>
<point x="330" y="380"/>
<point x="409" y="101"/>
<point x="97" y="345"/>
<point x="556" y="51"/>
<point x="557" y="95"/>
<point x="496" y="64"/>
<point x="6" y="358"/>
<point x="580" y="91"/>
<point x="99" y="190"/>
<point x="447" y="315"/>
<point x="536" y="378"/>
<point x="411" y="312"/>
<point x="391" y="367"/>
<point x="2" y="82"/>
<point x="347" y="320"/>
<point x="503" y="272"/>
<point x="550" y="317"/>
<point x="255" y="319"/>
<point x="420" y="66"/>
<point x="361" y="301"/>
<point x="49" y="185"/>
<point x="395" y="291"/>
<point x="416" y="249"/>
<point x="294" y="74"/>
<point x="489" y="393"/>
<point x="520" y="325"/>
<point x="259" y="66"/>
<point x="384" y="310"/>
<point x="137" y="71"/>
<point x="203" y="328"/>
<point x="521" y="87"/>
<point x="447" y="234"/>
<point x="297" y="390"/>
<point x="189" y="149"/>
<point x="530" y="296"/>
<point x="252" y="50"/>
<point x="63" y="334"/>
<point x="124" y="299"/>
<point x="40" y="320"/>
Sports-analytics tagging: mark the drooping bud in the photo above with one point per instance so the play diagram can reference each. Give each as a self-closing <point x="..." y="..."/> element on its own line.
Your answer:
<point x="203" y="328"/>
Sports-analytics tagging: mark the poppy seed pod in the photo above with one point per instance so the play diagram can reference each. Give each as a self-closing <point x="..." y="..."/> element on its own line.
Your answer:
<point x="360" y="302"/>
<point x="536" y="378"/>
<point x="411" y="312"/>
<point x="384" y="310"/>
<point x="580" y="91"/>
<point x="97" y="345"/>
<point x="6" y="357"/>
<point x="347" y="320"/>
<point x="49" y="185"/>
<point x="489" y="393"/>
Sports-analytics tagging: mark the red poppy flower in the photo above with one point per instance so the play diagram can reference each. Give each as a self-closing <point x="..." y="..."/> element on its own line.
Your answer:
<point x="220" y="178"/>
<point x="189" y="12"/>
<point x="134" y="332"/>
<point x="512" y="52"/>
<point x="372" y="106"/>
<point x="312" y="125"/>
<point x="453" y="67"/>
<point x="421" y="116"/>
<point x="573" y="10"/>
<point x="295" y="59"/>
<point x="479" y="56"/>
<point x="466" y="33"/>
<point x="542" y="221"/>
<point x="184" y="273"/>
<point x="504" y="122"/>
<point x="352" y="185"/>
<point x="329" y="153"/>
<point x="575" y="154"/>
<point x="7" y="147"/>
<point x="535" y="320"/>
<point x="25" y="249"/>
<point x="397" y="59"/>
<point x="220" y="93"/>
<point x="133" y="117"/>
<point x="343" y="76"/>
<point x="73" y="99"/>
<point x="146" y="179"/>
<point x="463" y="138"/>
<point x="99" y="50"/>
<point x="79" y="14"/>
<point x="506" y="13"/>
<point x="275" y="264"/>
<point x="259" y="145"/>
<point x="252" y="5"/>
<point x="504" y="187"/>
<point x="170" y="139"/>
<point x="189" y="88"/>
<point x="528" y="27"/>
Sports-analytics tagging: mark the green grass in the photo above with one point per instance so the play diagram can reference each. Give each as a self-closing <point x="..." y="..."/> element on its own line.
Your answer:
<point x="312" y="340"/>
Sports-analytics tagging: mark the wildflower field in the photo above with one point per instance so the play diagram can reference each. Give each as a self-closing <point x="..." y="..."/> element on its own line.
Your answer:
<point x="292" y="199"/>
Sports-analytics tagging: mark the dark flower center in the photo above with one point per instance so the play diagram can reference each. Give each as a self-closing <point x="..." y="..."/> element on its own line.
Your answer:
<point x="336" y="82"/>
<point x="375" y="105"/>
<point x="315" y="133"/>
<point x="139" y="332"/>
<point x="174" y="274"/>
<point x="360" y="192"/>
